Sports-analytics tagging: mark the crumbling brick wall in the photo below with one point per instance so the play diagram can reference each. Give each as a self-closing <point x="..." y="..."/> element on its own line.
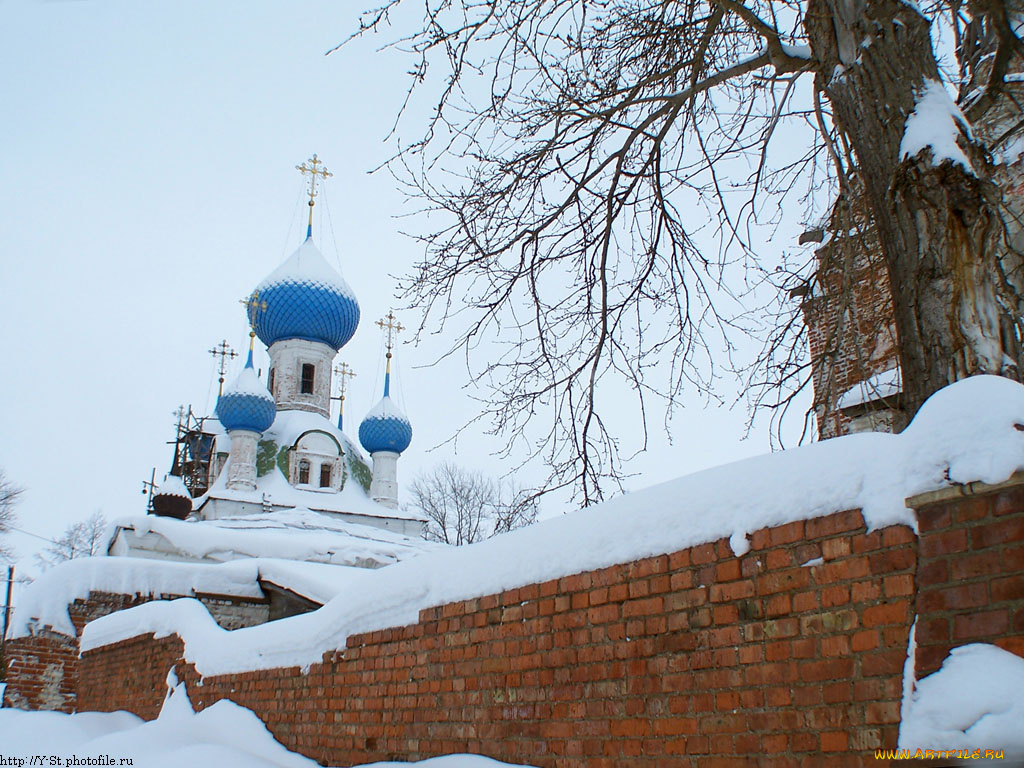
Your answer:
<point x="43" y="669"/>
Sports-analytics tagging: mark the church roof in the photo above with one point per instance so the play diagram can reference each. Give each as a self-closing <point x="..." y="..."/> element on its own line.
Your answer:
<point x="385" y="428"/>
<point x="294" y="535"/>
<point x="246" y="403"/>
<point x="304" y="298"/>
<point x="273" y="488"/>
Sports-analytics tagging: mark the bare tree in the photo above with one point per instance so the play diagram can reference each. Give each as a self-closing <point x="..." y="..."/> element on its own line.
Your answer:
<point x="608" y="172"/>
<point x="9" y="494"/>
<point x="465" y="506"/>
<point x="82" y="539"/>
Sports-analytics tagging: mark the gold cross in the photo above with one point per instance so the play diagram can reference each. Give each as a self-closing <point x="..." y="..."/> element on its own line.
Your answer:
<point x="343" y="372"/>
<point x="253" y="302"/>
<point x="225" y="353"/>
<point x="393" y="327"/>
<point x="314" y="170"/>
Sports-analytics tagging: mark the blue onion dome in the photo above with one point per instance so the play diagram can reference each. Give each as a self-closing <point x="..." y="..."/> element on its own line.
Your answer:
<point x="246" y="404"/>
<point x="304" y="298"/>
<point x="385" y="428"/>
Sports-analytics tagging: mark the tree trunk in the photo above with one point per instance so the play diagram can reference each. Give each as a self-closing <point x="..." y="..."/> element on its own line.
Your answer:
<point x="938" y="225"/>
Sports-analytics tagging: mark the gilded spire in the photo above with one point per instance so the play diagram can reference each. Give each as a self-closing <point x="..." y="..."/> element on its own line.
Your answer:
<point x="315" y="169"/>
<point x="343" y="372"/>
<point x="252" y="340"/>
<point x="225" y="353"/>
<point x="392" y="326"/>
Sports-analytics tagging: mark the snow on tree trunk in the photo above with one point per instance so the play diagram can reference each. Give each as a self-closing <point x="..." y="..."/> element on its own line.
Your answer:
<point x="938" y="222"/>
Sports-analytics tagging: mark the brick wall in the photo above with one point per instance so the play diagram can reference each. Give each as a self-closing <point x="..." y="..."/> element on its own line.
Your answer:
<point x="108" y="684"/>
<point x="43" y="670"/>
<point x="971" y="570"/>
<point x="670" y="660"/>
<point x="790" y="655"/>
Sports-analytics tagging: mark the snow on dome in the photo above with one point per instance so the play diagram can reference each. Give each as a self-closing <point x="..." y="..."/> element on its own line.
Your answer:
<point x="246" y="403"/>
<point x="385" y="428"/>
<point x="173" y="486"/>
<point x="304" y="298"/>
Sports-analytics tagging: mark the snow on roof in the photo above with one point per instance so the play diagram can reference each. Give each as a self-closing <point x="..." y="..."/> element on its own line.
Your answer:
<point x="962" y="434"/>
<point x="976" y="701"/>
<point x="936" y="122"/>
<point x="248" y="383"/>
<point x="307" y="264"/>
<point x="173" y="485"/>
<point x="884" y="384"/>
<point x="295" y="534"/>
<point x="318" y="582"/>
<point x="44" y="602"/>
<point x="386" y="409"/>
<point x="287" y="428"/>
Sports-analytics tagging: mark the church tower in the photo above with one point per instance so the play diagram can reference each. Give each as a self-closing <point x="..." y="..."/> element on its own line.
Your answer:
<point x="304" y="312"/>
<point x="385" y="431"/>
<point x="246" y="410"/>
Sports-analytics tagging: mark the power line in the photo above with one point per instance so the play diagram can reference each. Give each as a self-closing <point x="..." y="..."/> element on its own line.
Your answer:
<point x="33" y="535"/>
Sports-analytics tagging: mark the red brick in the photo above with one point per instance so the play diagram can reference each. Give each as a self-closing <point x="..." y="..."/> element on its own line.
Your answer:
<point x="946" y="543"/>
<point x="897" y="535"/>
<point x="932" y="573"/>
<point x="1009" y="502"/>
<point x="967" y="596"/>
<point x="1008" y="588"/>
<point x="727" y="570"/>
<point x="865" y="640"/>
<point x="835" y="595"/>
<point x="980" y="624"/>
<point x="972" y="566"/>
<point x="840" y="522"/>
<point x="732" y="590"/>
<point x="998" y="533"/>
<point x="886" y="613"/>
<point x="704" y="553"/>
<point x="787" y="534"/>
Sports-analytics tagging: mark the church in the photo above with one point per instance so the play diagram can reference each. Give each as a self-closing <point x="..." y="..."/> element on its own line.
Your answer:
<point x="271" y="475"/>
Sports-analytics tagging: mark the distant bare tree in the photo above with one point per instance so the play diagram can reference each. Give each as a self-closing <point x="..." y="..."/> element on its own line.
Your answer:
<point x="82" y="539"/>
<point x="9" y="494"/>
<point x="466" y="506"/>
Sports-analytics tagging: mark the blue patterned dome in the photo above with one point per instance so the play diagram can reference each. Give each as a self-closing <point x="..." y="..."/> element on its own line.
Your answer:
<point x="385" y="428"/>
<point x="304" y="298"/>
<point x="246" y="404"/>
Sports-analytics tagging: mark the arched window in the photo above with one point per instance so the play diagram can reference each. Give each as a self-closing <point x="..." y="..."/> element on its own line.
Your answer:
<point x="308" y="372"/>
<point x="325" y="475"/>
<point x="270" y="381"/>
<point x="303" y="471"/>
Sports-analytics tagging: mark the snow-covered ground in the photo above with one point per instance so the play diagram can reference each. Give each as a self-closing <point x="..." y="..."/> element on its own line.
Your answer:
<point x="224" y="735"/>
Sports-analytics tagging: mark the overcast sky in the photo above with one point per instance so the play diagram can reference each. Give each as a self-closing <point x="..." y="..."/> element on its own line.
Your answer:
<point x="147" y="184"/>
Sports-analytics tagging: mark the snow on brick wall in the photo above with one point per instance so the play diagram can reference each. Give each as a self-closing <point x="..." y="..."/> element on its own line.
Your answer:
<point x="794" y="649"/>
<point x="43" y="668"/>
